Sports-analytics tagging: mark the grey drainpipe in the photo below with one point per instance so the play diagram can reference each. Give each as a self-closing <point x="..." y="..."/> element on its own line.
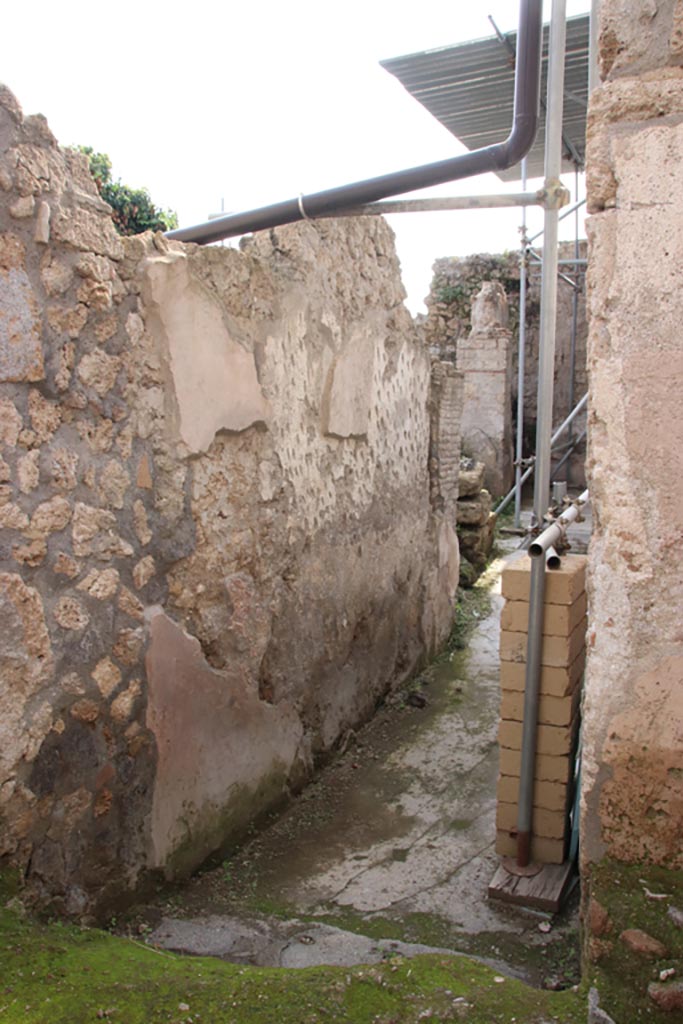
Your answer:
<point x="490" y="158"/>
<point x="544" y="426"/>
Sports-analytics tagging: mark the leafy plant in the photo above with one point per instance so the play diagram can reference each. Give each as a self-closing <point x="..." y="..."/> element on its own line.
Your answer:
<point x="132" y="208"/>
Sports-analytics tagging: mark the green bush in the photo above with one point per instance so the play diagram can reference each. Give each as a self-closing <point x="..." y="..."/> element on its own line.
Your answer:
<point x="132" y="208"/>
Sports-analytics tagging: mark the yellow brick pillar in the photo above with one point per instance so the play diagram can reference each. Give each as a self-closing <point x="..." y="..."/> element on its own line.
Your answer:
<point x="562" y="663"/>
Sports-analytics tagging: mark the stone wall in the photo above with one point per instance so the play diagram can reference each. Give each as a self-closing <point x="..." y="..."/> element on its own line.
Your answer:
<point x="633" y="707"/>
<point x="218" y="548"/>
<point x="455" y="284"/>
<point x="484" y="360"/>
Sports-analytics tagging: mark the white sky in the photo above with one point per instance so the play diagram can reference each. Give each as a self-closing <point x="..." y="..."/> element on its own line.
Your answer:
<point x="255" y="103"/>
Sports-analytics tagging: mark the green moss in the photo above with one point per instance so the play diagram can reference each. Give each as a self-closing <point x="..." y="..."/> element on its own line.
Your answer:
<point x="217" y="830"/>
<point x="620" y="975"/>
<point x="471" y="607"/>
<point x="60" y="973"/>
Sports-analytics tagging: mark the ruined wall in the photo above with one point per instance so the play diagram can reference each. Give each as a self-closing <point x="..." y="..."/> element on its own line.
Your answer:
<point x="455" y="284"/>
<point x="218" y="549"/>
<point x="633" y="707"/>
<point x="484" y="360"/>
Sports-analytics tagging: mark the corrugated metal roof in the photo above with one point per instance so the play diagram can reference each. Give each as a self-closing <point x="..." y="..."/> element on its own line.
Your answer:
<point x="469" y="88"/>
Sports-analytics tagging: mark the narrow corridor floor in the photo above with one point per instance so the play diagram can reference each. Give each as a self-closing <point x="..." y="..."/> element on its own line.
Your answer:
<point x="390" y="851"/>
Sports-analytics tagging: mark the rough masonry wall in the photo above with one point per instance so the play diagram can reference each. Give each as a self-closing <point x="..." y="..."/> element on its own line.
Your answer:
<point x="218" y="549"/>
<point x="633" y="706"/>
<point x="455" y="284"/>
<point x="484" y="360"/>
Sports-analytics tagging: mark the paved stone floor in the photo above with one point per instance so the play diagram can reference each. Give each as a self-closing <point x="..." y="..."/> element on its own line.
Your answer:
<point x="392" y="844"/>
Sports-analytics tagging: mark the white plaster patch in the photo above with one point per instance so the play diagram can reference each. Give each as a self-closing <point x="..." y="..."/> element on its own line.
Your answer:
<point x="213" y="377"/>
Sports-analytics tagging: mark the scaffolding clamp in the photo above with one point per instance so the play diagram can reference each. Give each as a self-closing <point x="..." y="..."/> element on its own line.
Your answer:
<point x="553" y="195"/>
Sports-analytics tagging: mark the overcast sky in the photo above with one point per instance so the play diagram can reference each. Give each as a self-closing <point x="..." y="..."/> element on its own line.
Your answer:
<point x="248" y="104"/>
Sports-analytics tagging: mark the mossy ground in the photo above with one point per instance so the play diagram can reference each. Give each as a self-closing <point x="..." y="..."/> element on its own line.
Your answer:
<point x="56" y="973"/>
<point x="620" y="975"/>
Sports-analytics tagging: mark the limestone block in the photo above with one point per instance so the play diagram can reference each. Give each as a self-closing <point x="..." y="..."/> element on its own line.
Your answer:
<point x="94" y="533"/>
<point x="562" y="586"/>
<point x="547" y="824"/>
<point x="100" y="584"/>
<point x="26" y="666"/>
<point x="213" y="377"/>
<point x="471" y="478"/>
<point x="70" y="614"/>
<point x="474" y="511"/>
<point x="551" y="710"/>
<point x="107" y="676"/>
<point x="543" y="850"/>
<point x="88" y="230"/>
<point x="476" y="542"/>
<point x="547" y="767"/>
<point x="45" y="416"/>
<point x="21" y="352"/>
<point x="99" y="370"/>
<point x="555" y="682"/>
<point x="41" y="232"/>
<point x="558" y="619"/>
<point x="550" y="796"/>
<point x="554" y="740"/>
<point x="558" y="651"/>
<point x="10" y="423"/>
<point x="632" y="38"/>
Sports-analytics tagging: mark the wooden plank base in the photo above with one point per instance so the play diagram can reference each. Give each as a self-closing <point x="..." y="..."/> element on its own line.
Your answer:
<point x="544" y="890"/>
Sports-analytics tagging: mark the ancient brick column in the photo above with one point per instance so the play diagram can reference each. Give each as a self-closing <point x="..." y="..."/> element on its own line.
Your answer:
<point x="485" y="361"/>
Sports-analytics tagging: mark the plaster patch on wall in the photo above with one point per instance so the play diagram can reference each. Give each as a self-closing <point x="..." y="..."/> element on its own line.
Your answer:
<point x="213" y="377"/>
<point x="207" y="776"/>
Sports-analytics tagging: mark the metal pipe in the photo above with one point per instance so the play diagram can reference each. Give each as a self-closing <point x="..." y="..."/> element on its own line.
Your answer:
<point x="575" y="442"/>
<point x="521" y="361"/>
<point x="544" y="426"/>
<point x="490" y="158"/>
<point x="567" y="212"/>
<point x="552" y="559"/>
<point x="558" y="433"/>
<point x="482" y="202"/>
<point x="575" y="307"/>
<point x="556" y="531"/>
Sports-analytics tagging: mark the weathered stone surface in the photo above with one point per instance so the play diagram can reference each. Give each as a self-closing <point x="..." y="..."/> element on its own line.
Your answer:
<point x="214" y="377"/>
<point x="50" y="517"/>
<point x="107" y="676"/>
<point x="122" y="706"/>
<point x="633" y="699"/>
<point x="668" y="996"/>
<point x="470" y="478"/>
<point x="100" y="584"/>
<point x="26" y="665"/>
<point x="144" y="571"/>
<point x="640" y="942"/>
<point x="93" y="533"/>
<point x="485" y="361"/>
<point x="474" y="511"/>
<point x="28" y="471"/>
<point x="70" y="614"/>
<point x="347" y="397"/>
<point x="311" y="565"/>
<point x="98" y="370"/>
<point x="21" y="352"/>
<point x="599" y="922"/>
<point x="114" y="481"/>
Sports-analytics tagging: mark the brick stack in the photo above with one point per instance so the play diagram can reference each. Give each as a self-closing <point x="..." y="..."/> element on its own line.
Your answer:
<point x="562" y="659"/>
